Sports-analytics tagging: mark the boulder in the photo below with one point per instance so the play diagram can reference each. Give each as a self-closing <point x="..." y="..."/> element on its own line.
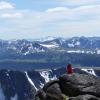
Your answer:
<point x="71" y="87"/>
<point x="84" y="97"/>
<point x="52" y="91"/>
<point x="40" y="95"/>
<point x="78" y="84"/>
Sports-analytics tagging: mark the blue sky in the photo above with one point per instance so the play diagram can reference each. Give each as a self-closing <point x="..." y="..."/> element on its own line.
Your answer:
<point x="34" y="19"/>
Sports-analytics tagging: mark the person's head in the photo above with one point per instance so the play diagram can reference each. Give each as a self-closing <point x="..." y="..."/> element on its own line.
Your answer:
<point x="69" y="66"/>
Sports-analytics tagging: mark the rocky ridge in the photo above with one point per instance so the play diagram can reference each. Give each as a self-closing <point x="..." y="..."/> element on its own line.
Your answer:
<point x="23" y="85"/>
<point x="71" y="87"/>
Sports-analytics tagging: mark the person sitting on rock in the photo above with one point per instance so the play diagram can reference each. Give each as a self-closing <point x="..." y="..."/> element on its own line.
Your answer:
<point x="69" y="69"/>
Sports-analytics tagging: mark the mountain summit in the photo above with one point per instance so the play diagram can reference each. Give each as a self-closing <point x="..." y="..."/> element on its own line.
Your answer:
<point x="71" y="87"/>
<point x="23" y="85"/>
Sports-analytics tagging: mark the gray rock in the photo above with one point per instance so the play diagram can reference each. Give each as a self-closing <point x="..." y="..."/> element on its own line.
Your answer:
<point x="40" y="95"/>
<point x="84" y="97"/>
<point x="51" y="90"/>
<point x="54" y="92"/>
<point x="47" y="85"/>
<point x="78" y="84"/>
<point x="71" y="87"/>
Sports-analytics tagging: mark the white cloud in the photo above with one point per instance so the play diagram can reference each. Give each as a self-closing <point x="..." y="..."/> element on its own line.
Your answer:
<point x="11" y="15"/>
<point x="89" y="8"/>
<point x="5" y="5"/>
<point x="86" y="28"/>
<point x="79" y="2"/>
<point x="7" y="10"/>
<point x="58" y="9"/>
<point x="81" y="13"/>
<point x="61" y="20"/>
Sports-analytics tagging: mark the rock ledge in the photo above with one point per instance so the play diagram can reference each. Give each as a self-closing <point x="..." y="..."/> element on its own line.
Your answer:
<point x="71" y="87"/>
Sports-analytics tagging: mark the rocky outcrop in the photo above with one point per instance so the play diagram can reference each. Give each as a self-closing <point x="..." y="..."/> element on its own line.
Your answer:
<point x="71" y="87"/>
<point x="20" y="85"/>
<point x="84" y="97"/>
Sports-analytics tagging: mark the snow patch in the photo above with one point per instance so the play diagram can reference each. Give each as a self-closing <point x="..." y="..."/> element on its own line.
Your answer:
<point x="90" y="71"/>
<point x="77" y="43"/>
<point x="41" y="85"/>
<point x="2" y="96"/>
<point x="70" y="45"/>
<point x="49" y="45"/>
<point x="98" y="51"/>
<point x="75" y="51"/>
<point x="53" y="78"/>
<point x="26" y="53"/>
<point x="30" y="81"/>
<point x="15" y="97"/>
<point x="46" y="75"/>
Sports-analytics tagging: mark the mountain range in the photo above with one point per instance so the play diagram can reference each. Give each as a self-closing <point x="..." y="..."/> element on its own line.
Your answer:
<point x="49" y="52"/>
<point x="26" y="65"/>
<point x="22" y="85"/>
<point x="70" y="45"/>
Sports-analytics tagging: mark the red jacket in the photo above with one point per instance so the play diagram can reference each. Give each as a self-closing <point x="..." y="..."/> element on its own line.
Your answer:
<point x="69" y="69"/>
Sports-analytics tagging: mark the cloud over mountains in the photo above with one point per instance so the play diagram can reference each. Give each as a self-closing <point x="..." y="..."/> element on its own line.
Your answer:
<point x="63" y="18"/>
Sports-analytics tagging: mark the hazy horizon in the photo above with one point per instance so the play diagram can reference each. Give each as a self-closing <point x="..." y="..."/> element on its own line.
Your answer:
<point x="44" y="38"/>
<point x="35" y="19"/>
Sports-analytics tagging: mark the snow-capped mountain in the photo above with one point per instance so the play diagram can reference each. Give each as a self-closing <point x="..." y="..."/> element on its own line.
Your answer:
<point x="52" y="52"/>
<point x="49" y="38"/>
<point x="71" y="45"/>
<point x="16" y="85"/>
